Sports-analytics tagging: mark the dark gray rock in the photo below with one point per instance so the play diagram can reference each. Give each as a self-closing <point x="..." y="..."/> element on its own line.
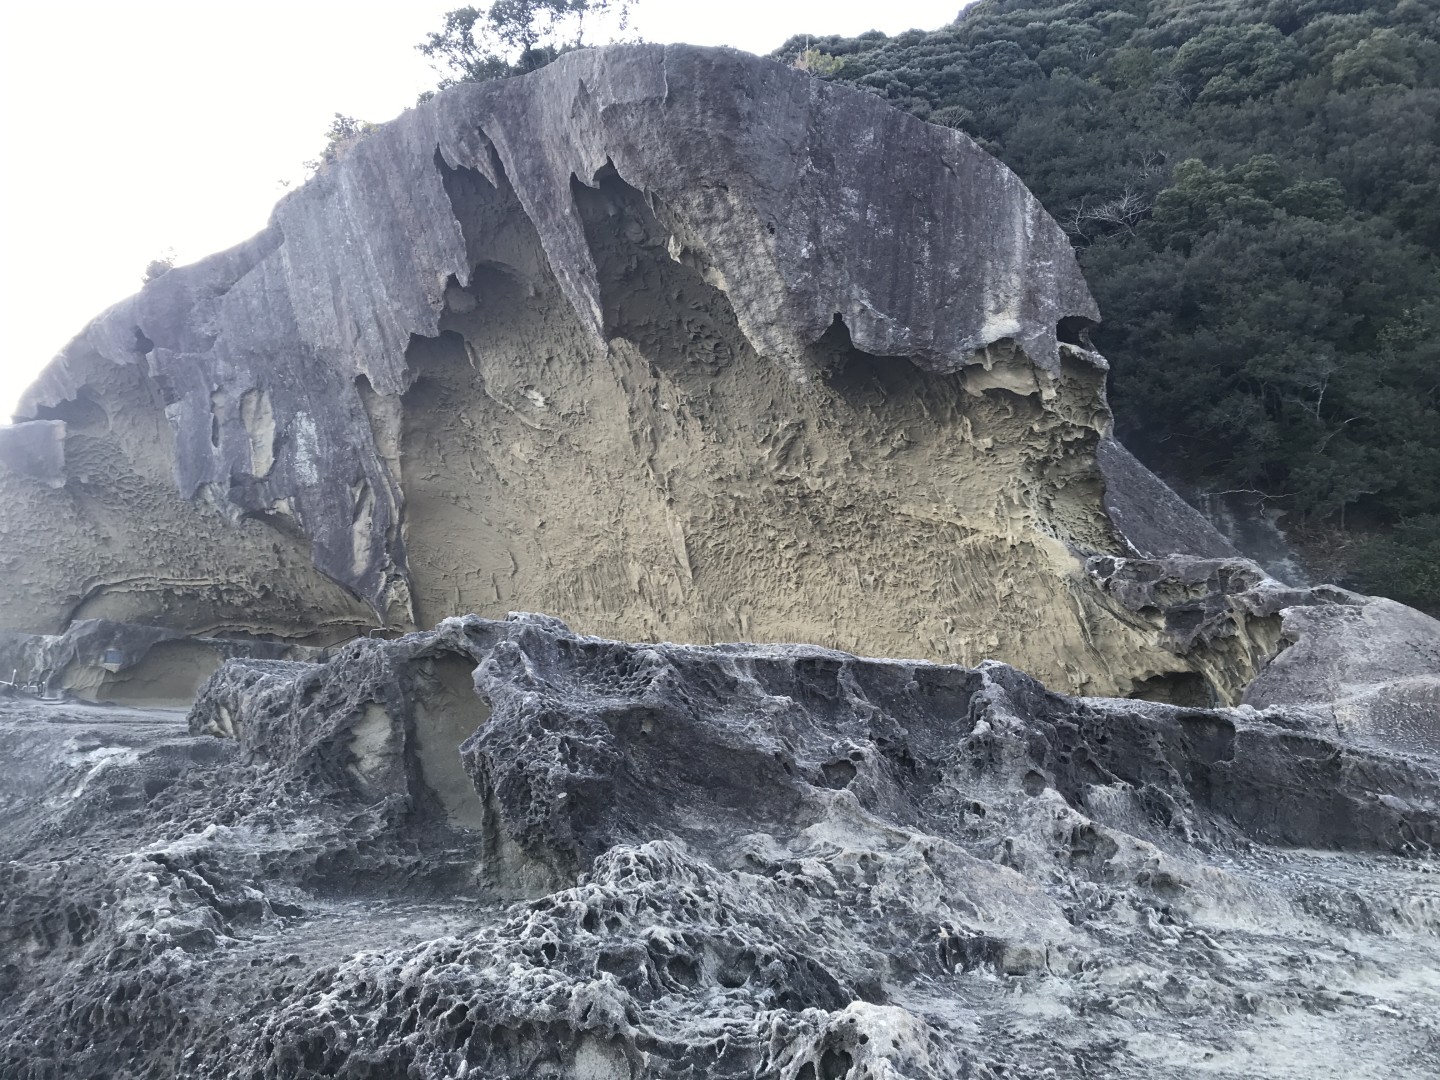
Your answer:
<point x="104" y="660"/>
<point x="1152" y="518"/>
<point x="729" y="861"/>
<point x="1158" y="520"/>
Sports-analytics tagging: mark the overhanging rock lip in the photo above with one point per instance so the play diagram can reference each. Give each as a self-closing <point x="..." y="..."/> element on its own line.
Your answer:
<point x="654" y="69"/>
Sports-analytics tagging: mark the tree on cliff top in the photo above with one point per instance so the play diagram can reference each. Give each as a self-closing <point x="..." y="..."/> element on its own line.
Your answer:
<point x="511" y="37"/>
<point x="344" y="132"/>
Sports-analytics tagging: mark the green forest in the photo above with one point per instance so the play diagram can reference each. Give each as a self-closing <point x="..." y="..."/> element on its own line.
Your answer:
<point x="1253" y="189"/>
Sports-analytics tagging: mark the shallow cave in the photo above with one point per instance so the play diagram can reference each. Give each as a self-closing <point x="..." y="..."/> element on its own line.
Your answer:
<point x="1186" y="688"/>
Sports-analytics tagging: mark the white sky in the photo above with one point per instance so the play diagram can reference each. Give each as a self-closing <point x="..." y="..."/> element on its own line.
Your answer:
<point x="131" y="128"/>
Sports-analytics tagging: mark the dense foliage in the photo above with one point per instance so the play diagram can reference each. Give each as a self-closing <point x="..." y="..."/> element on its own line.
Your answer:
<point x="1254" y="190"/>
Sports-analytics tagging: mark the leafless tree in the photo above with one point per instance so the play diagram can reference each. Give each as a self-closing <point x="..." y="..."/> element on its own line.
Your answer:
<point x="1122" y="211"/>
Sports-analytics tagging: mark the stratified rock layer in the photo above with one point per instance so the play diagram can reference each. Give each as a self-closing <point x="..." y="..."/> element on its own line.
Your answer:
<point x="636" y="861"/>
<point x="674" y="343"/>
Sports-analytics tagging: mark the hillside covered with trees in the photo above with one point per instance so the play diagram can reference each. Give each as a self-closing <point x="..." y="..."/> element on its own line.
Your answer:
<point x="1254" y="191"/>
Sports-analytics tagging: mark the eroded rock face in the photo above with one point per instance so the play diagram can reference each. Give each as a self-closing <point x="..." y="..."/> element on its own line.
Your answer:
<point x="673" y="343"/>
<point x="729" y="861"/>
<point x="100" y="660"/>
<point x="1366" y="665"/>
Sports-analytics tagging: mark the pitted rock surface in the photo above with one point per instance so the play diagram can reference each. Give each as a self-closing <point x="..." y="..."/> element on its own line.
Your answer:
<point x="727" y="861"/>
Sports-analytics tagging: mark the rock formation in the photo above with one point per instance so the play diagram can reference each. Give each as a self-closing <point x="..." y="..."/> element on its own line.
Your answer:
<point x="727" y="861"/>
<point x="675" y="344"/>
<point x="672" y="343"/>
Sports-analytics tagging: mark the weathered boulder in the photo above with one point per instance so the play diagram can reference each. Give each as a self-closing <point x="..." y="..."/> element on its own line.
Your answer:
<point x="1363" y="666"/>
<point x="675" y="343"/>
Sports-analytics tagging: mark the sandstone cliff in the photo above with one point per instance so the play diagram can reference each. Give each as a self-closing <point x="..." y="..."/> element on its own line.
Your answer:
<point x="673" y="343"/>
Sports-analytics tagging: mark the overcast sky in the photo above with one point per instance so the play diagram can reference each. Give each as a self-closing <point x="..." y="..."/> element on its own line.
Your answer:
<point x="133" y="128"/>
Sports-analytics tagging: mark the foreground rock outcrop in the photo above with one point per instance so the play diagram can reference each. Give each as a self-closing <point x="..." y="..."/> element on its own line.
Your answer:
<point x="673" y="343"/>
<point x="611" y="860"/>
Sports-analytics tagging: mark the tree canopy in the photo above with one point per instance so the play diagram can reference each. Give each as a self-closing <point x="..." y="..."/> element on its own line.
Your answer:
<point x="1253" y="189"/>
<point x="511" y="37"/>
